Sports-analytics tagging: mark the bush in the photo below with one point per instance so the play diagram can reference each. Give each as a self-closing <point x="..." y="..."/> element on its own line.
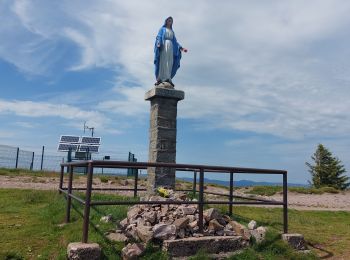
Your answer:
<point x="104" y="179"/>
<point x="265" y="190"/>
<point x="321" y="190"/>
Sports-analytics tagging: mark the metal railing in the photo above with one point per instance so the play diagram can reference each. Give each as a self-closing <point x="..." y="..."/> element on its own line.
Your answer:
<point x="201" y="169"/>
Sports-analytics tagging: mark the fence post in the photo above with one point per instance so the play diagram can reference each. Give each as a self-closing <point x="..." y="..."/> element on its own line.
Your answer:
<point x="69" y="199"/>
<point x="201" y="200"/>
<point x="17" y="158"/>
<point x="87" y="203"/>
<point x="42" y="158"/>
<point x="69" y="157"/>
<point x="231" y="193"/>
<point x="135" y="183"/>
<point x="61" y="179"/>
<point x="194" y="189"/>
<point x="285" y="203"/>
<point x="32" y="163"/>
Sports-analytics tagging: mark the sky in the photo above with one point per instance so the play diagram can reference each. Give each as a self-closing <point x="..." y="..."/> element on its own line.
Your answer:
<point x="265" y="81"/>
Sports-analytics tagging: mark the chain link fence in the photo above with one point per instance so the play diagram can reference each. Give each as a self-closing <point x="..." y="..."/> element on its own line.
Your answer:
<point x="14" y="157"/>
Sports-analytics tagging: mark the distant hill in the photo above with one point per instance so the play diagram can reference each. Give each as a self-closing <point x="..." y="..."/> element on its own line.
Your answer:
<point x="244" y="183"/>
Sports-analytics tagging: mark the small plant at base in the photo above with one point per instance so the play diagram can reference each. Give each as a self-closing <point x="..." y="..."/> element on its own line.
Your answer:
<point x="104" y="179"/>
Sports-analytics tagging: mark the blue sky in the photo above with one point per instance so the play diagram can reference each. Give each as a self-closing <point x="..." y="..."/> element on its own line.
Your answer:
<point x="265" y="81"/>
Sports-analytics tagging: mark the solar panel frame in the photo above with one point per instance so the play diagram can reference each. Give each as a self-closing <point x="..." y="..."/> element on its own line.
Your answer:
<point x="91" y="140"/>
<point x="65" y="147"/>
<point x="91" y="148"/>
<point x="69" y="139"/>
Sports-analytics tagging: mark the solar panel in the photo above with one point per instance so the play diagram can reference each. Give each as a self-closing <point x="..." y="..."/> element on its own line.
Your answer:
<point x="90" y="140"/>
<point x="69" y="139"/>
<point x="67" y="147"/>
<point x="90" y="148"/>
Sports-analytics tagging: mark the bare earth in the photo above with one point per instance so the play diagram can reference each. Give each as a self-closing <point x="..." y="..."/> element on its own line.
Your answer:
<point x="327" y="201"/>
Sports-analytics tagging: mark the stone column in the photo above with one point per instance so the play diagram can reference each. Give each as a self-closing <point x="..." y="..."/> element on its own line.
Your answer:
<point x="162" y="135"/>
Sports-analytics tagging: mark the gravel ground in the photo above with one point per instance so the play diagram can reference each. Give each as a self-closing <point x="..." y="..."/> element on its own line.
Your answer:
<point x="325" y="201"/>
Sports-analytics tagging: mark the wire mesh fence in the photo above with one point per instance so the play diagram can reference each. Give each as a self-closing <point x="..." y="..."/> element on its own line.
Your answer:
<point x="13" y="157"/>
<point x="8" y="156"/>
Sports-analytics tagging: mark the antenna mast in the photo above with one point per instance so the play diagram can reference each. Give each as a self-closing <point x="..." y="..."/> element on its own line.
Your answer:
<point x="92" y="129"/>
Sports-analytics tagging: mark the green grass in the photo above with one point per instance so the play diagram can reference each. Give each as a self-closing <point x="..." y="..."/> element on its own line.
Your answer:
<point x="104" y="179"/>
<point x="314" y="190"/>
<point x="30" y="225"/>
<point x="26" y="172"/>
<point x="264" y="190"/>
<point x="327" y="231"/>
<point x="29" y="228"/>
<point x="272" y="190"/>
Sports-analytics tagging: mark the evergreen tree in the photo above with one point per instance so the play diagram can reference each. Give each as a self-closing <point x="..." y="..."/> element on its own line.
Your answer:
<point x="327" y="170"/>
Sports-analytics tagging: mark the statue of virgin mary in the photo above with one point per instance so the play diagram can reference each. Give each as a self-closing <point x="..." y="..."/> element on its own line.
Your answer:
<point x="167" y="53"/>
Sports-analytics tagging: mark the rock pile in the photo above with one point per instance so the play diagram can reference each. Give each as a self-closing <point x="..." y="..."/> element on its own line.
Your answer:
<point x="156" y="222"/>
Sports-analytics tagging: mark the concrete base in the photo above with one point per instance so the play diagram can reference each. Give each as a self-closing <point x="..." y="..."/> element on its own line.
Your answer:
<point x="211" y="245"/>
<point x="295" y="240"/>
<point x="162" y="133"/>
<point x="83" y="251"/>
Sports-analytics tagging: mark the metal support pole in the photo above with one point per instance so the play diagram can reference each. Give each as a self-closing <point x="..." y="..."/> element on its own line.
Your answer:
<point x="135" y="183"/>
<point x="32" y="163"/>
<point x="69" y="157"/>
<point x="231" y="193"/>
<point x="42" y="158"/>
<point x="201" y="200"/>
<point x="69" y="199"/>
<point x="17" y="158"/>
<point x="194" y="183"/>
<point x="61" y="179"/>
<point x="285" y="204"/>
<point x="87" y="204"/>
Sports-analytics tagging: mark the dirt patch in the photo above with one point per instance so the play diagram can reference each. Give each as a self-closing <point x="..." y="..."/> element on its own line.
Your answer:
<point x="326" y="201"/>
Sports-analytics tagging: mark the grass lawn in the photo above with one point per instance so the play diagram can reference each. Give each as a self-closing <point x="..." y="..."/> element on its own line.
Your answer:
<point x="271" y="190"/>
<point x="30" y="228"/>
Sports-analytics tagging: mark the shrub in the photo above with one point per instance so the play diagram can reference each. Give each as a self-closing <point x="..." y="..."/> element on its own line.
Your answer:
<point x="104" y="179"/>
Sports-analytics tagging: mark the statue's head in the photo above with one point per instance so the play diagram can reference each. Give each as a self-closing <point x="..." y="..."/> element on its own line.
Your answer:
<point x="169" y="22"/>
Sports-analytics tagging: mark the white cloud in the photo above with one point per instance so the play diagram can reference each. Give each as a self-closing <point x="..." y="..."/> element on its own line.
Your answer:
<point x="132" y="102"/>
<point x="24" y="124"/>
<point x="266" y="67"/>
<point x="42" y="109"/>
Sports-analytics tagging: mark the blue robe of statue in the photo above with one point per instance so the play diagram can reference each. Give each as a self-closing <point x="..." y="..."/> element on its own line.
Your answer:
<point x="176" y="51"/>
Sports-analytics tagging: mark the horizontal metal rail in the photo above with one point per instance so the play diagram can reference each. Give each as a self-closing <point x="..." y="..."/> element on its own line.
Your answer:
<point x="72" y="196"/>
<point x="200" y="169"/>
<point x="183" y="167"/>
<point x="102" y="203"/>
<point x="107" y="189"/>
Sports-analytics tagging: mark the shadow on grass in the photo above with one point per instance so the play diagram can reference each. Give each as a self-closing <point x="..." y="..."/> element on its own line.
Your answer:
<point x="327" y="255"/>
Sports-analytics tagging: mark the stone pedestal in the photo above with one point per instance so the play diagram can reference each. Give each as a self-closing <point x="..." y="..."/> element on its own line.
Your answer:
<point x="295" y="240"/>
<point x="83" y="251"/>
<point x="162" y="133"/>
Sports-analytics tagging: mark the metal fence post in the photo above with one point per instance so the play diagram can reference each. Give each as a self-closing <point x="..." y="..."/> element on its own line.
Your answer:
<point x="135" y="183"/>
<point x="69" y="199"/>
<point x="17" y="157"/>
<point x="32" y="163"/>
<point x="61" y="179"/>
<point x="194" y="182"/>
<point x="201" y="200"/>
<point x="87" y="203"/>
<point x="285" y="203"/>
<point x="231" y="194"/>
<point x="42" y="158"/>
